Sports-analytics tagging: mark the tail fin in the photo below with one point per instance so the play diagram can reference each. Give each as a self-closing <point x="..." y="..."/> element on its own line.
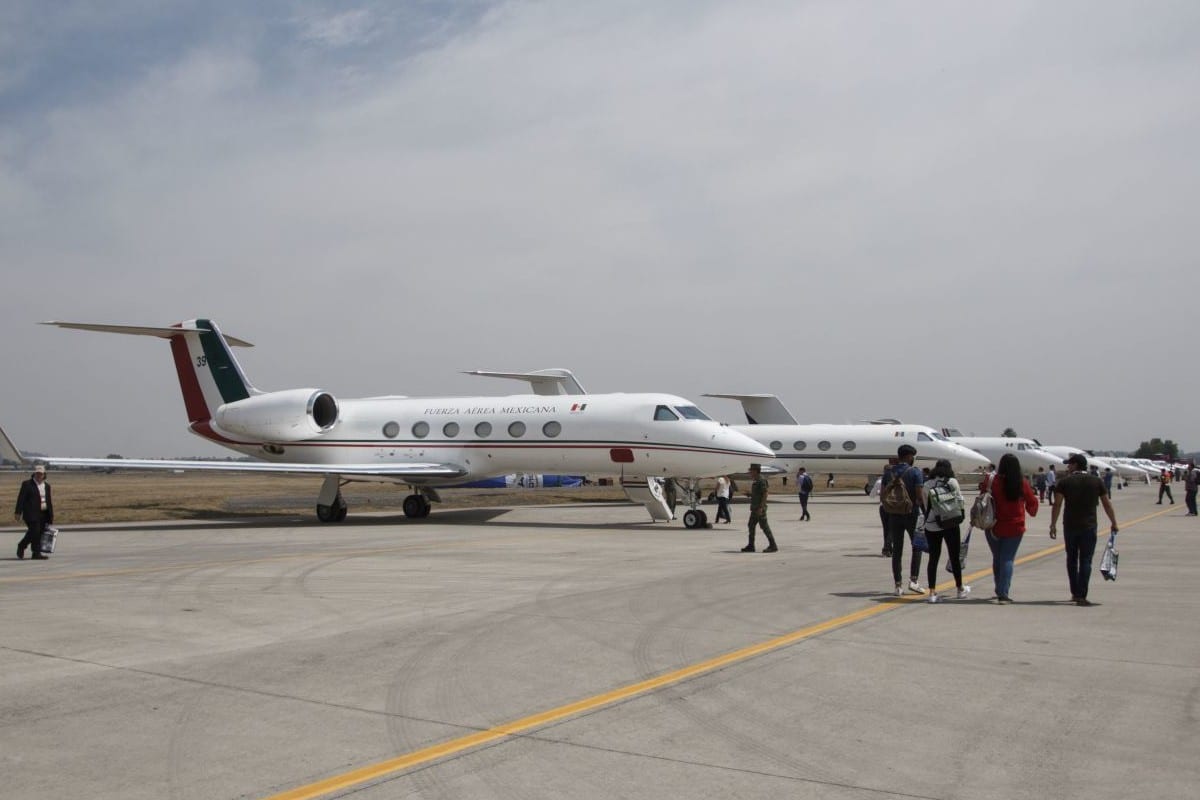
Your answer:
<point x="762" y="409"/>
<point x="543" y="381"/>
<point x="208" y="373"/>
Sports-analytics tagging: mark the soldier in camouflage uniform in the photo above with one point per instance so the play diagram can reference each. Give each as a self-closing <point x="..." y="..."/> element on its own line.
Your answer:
<point x="758" y="510"/>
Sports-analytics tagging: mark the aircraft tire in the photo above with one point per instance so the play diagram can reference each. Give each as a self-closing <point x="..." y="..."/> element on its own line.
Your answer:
<point x="416" y="507"/>
<point x="692" y="519"/>
<point x="703" y="517"/>
<point x="332" y="513"/>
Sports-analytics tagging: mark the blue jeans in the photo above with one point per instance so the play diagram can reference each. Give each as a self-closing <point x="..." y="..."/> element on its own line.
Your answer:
<point x="1004" y="552"/>
<point x="1081" y="546"/>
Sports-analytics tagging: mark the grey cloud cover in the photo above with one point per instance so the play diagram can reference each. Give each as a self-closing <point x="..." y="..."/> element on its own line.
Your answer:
<point x="970" y="214"/>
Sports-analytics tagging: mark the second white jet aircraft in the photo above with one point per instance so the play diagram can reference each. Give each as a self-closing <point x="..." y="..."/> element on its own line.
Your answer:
<point x="844" y="449"/>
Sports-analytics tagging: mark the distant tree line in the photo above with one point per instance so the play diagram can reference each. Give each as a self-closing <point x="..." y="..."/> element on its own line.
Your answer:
<point x="1158" y="447"/>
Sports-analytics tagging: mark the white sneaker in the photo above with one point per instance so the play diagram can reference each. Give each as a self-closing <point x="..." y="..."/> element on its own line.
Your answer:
<point x="915" y="587"/>
<point x="935" y="598"/>
<point x="963" y="592"/>
<point x="899" y="590"/>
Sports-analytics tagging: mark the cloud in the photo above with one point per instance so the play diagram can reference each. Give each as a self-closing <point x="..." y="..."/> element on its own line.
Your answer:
<point x="823" y="200"/>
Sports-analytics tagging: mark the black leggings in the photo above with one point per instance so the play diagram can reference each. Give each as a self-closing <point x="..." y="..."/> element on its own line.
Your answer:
<point x="953" y="537"/>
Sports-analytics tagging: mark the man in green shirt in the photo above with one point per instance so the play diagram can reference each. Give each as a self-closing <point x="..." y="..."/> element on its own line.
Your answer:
<point x="758" y="510"/>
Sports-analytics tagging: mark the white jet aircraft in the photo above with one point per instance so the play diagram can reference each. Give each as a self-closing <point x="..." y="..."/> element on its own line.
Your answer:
<point x="1120" y="470"/>
<point x="1027" y="451"/>
<point x="427" y="442"/>
<point x="846" y="449"/>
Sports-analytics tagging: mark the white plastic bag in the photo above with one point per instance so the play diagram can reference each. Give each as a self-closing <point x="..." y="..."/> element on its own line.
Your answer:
<point x="1108" y="561"/>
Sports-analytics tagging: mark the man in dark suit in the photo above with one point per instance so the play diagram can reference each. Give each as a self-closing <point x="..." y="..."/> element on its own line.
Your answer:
<point x="37" y="509"/>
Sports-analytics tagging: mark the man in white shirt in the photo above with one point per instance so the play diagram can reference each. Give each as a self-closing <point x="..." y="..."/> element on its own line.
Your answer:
<point x="723" y="493"/>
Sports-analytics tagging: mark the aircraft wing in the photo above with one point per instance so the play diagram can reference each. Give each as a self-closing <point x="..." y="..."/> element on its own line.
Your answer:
<point x="370" y="470"/>
<point x="380" y="470"/>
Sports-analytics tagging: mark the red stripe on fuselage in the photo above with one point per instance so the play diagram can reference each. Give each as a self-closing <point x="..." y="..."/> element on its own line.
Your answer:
<point x="193" y="397"/>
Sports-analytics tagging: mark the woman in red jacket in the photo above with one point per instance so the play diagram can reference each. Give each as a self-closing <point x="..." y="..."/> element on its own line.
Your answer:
<point x="1013" y="498"/>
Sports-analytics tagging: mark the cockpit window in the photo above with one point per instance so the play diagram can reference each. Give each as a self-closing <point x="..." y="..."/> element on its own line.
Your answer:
<point x="664" y="413"/>
<point x="923" y="437"/>
<point x="939" y="437"/>
<point x="691" y="412"/>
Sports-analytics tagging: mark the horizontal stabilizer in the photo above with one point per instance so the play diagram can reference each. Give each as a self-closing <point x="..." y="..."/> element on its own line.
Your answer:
<point x="762" y="409"/>
<point x="140" y="330"/>
<point x="542" y="381"/>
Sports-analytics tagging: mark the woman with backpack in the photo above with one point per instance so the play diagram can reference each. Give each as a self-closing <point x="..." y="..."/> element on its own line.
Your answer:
<point x="1013" y="498"/>
<point x="943" y="520"/>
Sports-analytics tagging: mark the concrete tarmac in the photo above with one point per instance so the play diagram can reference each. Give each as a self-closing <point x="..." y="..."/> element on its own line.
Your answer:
<point x="583" y="652"/>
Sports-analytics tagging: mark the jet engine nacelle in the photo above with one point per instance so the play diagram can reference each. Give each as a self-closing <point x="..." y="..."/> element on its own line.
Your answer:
<point x="287" y="416"/>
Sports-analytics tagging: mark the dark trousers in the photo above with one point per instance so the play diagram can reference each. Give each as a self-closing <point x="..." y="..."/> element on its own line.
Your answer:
<point x="953" y="538"/>
<point x="1164" y="488"/>
<point x="1189" y="497"/>
<point x="33" y="536"/>
<point x="883" y="521"/>
<point x="1081" y="546"/>
<point x="723" y="509"/>
<point x="755" y="520"/>
<point x="804" y="505"/>
<point x="897" y="526"/>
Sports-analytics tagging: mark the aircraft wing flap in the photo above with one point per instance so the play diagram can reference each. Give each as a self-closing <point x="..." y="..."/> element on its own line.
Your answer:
<point x="381" y="470"/>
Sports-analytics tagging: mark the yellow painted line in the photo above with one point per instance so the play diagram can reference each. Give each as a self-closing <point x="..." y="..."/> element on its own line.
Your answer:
<point x="381" y="769"/>
<point x="438" y="751"/>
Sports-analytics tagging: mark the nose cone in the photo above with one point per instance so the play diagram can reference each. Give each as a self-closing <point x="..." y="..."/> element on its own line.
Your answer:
<point x="740" y="449"/>
<point x="967" y="460"/>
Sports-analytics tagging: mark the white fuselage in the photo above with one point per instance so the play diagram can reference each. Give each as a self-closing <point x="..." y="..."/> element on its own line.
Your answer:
<point x="860" y="449"/>
<point x="1026" y="450"/>
<point x="1122" y="470"/>
<point x="597" y="434"/>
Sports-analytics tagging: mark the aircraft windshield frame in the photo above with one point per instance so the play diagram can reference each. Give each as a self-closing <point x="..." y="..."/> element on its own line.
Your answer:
<point x="692" y="412"/>
<point x="665" y="414"/>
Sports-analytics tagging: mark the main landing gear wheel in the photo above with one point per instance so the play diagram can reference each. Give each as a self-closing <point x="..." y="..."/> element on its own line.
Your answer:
<point x="416" y="507"/>
<point x="332" y="513"/>
<point x="695" y="518"/>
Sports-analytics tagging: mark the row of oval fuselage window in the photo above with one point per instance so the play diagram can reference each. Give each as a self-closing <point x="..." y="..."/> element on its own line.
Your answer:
<point x="551" y="429"/>
<point x="822" y="445"/>
<point x="482" y="430"/>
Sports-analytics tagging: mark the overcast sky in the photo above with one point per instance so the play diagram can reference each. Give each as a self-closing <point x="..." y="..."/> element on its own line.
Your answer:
<point x="981" y="215"/>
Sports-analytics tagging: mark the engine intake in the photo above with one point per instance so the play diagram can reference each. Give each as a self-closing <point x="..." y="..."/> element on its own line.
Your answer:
<point x="288" y="416"/>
